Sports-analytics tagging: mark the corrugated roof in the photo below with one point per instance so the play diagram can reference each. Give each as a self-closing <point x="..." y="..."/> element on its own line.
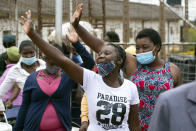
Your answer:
<point x="114" y="8"/>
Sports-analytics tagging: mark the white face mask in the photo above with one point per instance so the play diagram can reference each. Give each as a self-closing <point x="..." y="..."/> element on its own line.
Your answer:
<point x="28" y="61"/>
<point x="145" y="58"/>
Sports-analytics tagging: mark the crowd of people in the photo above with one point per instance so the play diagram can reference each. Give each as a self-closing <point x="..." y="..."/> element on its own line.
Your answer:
<point x="122" y="91"/>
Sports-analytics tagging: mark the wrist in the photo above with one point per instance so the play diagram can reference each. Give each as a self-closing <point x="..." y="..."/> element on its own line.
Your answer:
<point x="76" y="42"/>
<point x="31" y="31"/>
<point x="85" y="123"/>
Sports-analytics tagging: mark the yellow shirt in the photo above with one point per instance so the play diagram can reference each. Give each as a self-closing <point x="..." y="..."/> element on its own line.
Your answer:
<point x="84" y="109"/>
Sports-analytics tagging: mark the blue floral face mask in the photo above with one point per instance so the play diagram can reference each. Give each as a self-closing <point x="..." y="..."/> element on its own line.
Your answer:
<point x="105" y="68"/>
<point x="28" y="61"/>
<point x="145" y="58"/>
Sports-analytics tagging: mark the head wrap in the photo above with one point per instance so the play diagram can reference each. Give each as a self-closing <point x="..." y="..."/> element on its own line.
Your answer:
<point x="8" y="40"/>
<point x="13" y="53"/>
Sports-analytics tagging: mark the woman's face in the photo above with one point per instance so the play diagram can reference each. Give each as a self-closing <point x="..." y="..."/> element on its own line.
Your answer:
<point x="107" y="54"/>
<point x="144" y="45"/>
<point x="27" y="52"/>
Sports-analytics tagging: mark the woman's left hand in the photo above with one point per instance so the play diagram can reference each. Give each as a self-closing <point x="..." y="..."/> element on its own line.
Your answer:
<point x="72" y="36"/>
<point x="26" y="22"/>
<point x="8" y="104"/>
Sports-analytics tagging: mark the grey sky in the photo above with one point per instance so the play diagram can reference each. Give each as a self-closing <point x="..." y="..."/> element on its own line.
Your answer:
<point x="192" y="6"/>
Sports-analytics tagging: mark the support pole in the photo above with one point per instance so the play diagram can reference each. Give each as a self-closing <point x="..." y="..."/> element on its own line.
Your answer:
<point x="58" y="21"/>
<point x="186" y="26"/>
<point x="89" y="12"/>
<point x="16" y="21"/>
<point x="103" y="9"/>
<point x="126" y="18"/>
<point x="39" y="17"/>
<point x="162" y="27"/>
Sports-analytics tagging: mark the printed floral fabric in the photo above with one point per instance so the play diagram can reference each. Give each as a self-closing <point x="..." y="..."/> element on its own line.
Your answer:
<point x="150" y="83"/>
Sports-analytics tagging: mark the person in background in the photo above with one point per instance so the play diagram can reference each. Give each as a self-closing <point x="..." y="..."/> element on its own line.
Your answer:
<point x="8" y="41"/>
<point x="12" y="57"/>
<point x="151" y="74"/>
<point x="120" y="107"/>
<point x="109" y="37"/>
<point x="10" y="100"/>
<point x="175" y="110"/>
<point x="18" y="74"/>
<point x="55" y="88"/>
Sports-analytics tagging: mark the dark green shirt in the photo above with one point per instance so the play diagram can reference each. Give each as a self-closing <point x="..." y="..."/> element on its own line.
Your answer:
<point x="2" y="63"/>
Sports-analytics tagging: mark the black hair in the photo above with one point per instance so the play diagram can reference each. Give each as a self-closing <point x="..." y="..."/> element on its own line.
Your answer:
<point x="152" y="34"/>
<point x="113" y="36"/>
<point x="65" y="49"/>
<point x="26" y="43"/>
<point x="121" y="53"/>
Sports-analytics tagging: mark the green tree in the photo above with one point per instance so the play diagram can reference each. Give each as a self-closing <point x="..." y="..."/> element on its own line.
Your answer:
<point x="192" y="35"/>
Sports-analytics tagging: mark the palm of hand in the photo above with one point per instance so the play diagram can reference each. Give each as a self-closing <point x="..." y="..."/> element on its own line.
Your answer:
<point x="26" y="27"/>
<point x="73" y="37"/>
<point x="26" y="22"/>
<point x="77" y="15"/>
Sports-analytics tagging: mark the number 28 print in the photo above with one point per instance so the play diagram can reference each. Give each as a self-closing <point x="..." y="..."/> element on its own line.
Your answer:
<point x="118" y="111"/>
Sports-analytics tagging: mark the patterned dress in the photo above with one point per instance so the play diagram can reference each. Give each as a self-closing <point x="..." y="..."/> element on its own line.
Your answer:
<point x="150" y="83"/>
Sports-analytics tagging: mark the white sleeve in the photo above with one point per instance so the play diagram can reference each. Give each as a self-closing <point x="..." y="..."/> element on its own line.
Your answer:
<point x="134" y="95"/>
<point x="88" y="76"/>
<point x="8" y="82"/>
<point x="2" y="107"/>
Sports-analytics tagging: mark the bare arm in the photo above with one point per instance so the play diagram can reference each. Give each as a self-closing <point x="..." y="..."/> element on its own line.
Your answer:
<point x="15" y="92"/>
<point x="133" y="120"/>
<point x="74" y="71"/>
<point x="130" y="65"/>
<point x="92" y="41"/>
<point x="97" y="44"/>
<point x="176" y="75"/>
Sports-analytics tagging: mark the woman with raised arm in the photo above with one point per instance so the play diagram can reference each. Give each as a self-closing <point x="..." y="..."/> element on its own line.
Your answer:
<point x="46" y="94"/>
<point x="151" y="74"/>
<point x="112" y="103"/>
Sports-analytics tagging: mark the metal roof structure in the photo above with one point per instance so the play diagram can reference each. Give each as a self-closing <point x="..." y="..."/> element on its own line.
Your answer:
<point x="114" y="9"/>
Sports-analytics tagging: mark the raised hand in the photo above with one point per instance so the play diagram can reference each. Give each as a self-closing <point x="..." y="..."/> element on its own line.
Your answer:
<point x="72" y="36"/>
<point x="26" y="22"/>
<point x="76" y="16"/>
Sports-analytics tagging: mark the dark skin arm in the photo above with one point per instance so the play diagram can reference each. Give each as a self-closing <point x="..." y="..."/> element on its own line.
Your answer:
<point x="92" y="41"/>
<point x="133" y="120"/>
<point x="176" y="75"/>
<point x="97" y="44"/>
<point x="16" y="91"/>
<point x="74" y="71"/>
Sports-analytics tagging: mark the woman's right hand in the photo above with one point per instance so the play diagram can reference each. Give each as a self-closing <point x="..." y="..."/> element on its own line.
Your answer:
<point x="72" y="36"/>
<point x="26" y="22"/>
<point x="76" y="16"/>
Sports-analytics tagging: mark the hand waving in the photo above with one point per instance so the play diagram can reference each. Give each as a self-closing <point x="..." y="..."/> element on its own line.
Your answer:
<point x="76" y="16"/>
<point x="72" y="36"/>
<point x="26" y="22"/>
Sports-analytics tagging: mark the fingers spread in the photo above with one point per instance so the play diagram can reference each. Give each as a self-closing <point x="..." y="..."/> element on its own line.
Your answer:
<point x="29" y="14"/>
<point x="21" y="22"/>
<point x="23" y="18"/>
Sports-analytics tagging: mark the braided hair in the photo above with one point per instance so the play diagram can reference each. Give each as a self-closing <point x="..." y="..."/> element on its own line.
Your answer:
<point x="121" y="53"/>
